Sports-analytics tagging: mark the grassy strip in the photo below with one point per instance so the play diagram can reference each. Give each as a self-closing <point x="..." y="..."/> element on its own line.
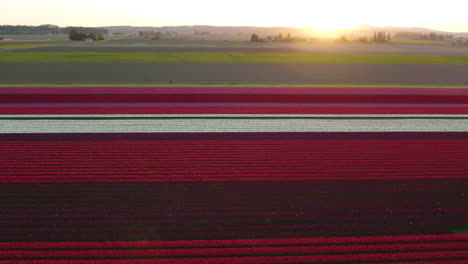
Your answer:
<point x="224" y="85"/>
<point x="10" y="46"/>
<point x="205" y="57"/>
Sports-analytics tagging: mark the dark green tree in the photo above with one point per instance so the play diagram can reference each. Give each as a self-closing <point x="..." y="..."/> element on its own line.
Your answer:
<point x="93" y="36"/>
<point x="254" y="38"/>
<point x="76" y="35"/>
<point x="99" y="36"/>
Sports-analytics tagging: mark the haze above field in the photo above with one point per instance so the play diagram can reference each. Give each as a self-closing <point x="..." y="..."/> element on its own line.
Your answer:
<point x="296" y="31"/>
<point x="324" y="16"/>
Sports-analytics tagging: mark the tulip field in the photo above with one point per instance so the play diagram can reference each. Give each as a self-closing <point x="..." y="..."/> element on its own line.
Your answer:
<point x="233" y="175"/>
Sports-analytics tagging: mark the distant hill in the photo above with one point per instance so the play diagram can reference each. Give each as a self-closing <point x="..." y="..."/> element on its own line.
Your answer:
<point x="213" y="30"/>
<point x="46" y="29"/>
<point x="245" y="30"/>
<point x="368" y="29"/>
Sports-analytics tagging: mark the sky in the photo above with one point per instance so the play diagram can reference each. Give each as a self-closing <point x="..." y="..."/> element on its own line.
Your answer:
<point x="447" y="15"/>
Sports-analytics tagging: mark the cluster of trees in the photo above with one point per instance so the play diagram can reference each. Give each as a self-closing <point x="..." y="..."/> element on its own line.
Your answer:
<point x="202" y="32"/>
<point x="46" y="29"/>
<point x="378" y="37"/>
<point x="150" y="35"/>
<point x="381" y="37"/>
<point x="419" y="36"/>
<point x="278" y="38"/>
<point x="433" y="36"/>
<point x="255" y="38"/>
<point x="81" y="36"/>
<point x="85" y="30"/>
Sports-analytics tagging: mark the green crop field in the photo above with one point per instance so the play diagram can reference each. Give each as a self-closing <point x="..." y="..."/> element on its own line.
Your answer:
<point x="11" y="46"/>
<point x="205" y="57"/>
<point x="35" y="37"/>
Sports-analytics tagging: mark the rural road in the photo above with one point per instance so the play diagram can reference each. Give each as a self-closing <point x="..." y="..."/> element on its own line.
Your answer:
<point x="95" y="72"/>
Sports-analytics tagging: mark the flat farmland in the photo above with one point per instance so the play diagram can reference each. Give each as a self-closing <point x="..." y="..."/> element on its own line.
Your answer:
<point x="248" y="47"/>
<point x="152" y="48"/>
<point x="268" y="73"/>
<point x="35" y="37"/>
<point x="138" y="61"/>
<point x="205" y="173"/>
<point x="8" y="45"/>
<point x="202" y="144"/>
<point x="234" y="57"/>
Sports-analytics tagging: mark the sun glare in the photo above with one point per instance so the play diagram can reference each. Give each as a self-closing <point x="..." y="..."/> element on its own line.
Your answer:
<point x="325" y="22"/>
<point x="324" y="16"/>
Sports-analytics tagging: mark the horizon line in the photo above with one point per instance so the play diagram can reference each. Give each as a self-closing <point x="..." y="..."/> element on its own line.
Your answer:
<point x="231" y="26"/>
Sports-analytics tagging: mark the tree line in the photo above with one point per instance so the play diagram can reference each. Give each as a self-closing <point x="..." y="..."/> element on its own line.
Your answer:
<point x="150" y="35"/>
<point x="77" y="35"/>
<point x="377" y="37"/>
<point x="277" y="38"/>
<point x="419" y="36"/>
<point x="433" y="36"/>
<point x="46" y="29"/>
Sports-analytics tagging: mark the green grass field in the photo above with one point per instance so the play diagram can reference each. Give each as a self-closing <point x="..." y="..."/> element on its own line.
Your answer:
<point x="11" y="46"/>
<point x="229" y="58"/>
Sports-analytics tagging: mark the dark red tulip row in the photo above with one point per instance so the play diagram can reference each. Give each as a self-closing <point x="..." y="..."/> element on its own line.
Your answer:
<point x="436" y="249"/>
<point x="231" y="100"/>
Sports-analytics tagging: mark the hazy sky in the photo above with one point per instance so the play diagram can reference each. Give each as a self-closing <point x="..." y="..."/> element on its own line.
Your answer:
<point x="449" y="15"/>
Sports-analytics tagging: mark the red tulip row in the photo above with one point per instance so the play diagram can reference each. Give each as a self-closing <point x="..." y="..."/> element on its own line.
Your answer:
<point x="436" y="249"/>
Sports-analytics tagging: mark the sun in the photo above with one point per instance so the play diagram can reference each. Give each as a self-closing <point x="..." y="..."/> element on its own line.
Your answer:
<point x="325" y="23"/>
<point x="329" y="30"/>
